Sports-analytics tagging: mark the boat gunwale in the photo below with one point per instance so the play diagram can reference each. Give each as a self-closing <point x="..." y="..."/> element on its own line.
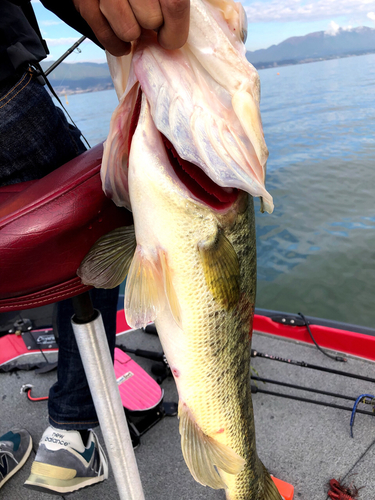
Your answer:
<point x="353" y="343"/>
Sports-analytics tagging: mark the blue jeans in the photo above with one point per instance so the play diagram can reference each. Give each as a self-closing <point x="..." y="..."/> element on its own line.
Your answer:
<point x="70" y="405"/>
<point x="35" y="139"/>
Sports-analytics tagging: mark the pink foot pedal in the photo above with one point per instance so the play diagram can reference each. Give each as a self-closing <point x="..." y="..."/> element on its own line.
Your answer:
<point x="138" y="391"/>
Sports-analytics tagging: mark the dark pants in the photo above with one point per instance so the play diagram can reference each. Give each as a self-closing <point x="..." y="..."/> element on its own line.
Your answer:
<point x="35" y="139"/>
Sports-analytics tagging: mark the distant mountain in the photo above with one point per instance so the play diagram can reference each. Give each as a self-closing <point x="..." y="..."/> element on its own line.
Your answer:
<point x="315" y="46"/>
<point x="89" y="77"/>
<point x="79" y="77"/>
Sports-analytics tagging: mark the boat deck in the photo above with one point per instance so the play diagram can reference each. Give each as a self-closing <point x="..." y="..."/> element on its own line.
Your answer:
<point x="301" y="443"/>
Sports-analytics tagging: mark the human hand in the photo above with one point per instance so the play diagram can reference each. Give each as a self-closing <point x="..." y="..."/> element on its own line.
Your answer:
<point x="116" y="23"/>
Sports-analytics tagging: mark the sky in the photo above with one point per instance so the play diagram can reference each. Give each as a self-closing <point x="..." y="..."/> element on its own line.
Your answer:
<point x="270" y="22"/>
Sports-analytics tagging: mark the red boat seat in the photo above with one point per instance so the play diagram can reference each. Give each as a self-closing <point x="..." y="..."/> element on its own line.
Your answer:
<point x="47" y="227"/>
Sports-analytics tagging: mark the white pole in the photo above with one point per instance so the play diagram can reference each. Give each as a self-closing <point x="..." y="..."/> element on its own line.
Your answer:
<point x="97" y="362"/>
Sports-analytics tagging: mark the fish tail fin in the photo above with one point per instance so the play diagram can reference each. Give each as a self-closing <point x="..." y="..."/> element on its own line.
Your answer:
<point x="270" y="491"/>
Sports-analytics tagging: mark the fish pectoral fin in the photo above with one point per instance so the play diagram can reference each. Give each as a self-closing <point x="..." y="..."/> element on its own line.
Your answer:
<point x="144" y="295"/>
<point x="202" y="453"/>
<point x="170" y="291"/>
<point x="107" y="262"/>
<point x="221" y="269"/>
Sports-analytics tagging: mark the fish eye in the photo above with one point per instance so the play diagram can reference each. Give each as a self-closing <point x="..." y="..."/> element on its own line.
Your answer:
<point x="243" y="23"/>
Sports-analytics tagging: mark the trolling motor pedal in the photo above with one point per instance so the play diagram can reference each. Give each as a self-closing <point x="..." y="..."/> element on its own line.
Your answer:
<point x="141" y="396"/>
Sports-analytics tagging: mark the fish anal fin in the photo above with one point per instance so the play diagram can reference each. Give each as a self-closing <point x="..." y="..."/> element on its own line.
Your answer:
<point x="203" y="453"/>
<point x="169" y="289"/>
<point x="107" y="262"/>
<point x="144" y="293"/>
<point x="221" y="269"/>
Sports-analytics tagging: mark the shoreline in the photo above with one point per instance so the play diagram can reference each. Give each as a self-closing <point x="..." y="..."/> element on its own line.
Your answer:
<point x="307" y="61"/>
<point x="110" y="86"/>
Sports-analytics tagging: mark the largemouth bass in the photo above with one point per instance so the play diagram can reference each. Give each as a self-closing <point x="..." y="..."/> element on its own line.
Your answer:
<point x="184" y="152"/>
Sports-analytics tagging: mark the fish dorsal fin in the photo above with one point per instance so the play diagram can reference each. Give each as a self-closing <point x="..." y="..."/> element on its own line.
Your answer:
<point x="202" y="453"/>
<point x="107" y="262"/>
<point x="221" y="269"/>
<point x="144" y="294"/>
<point x="170" y="291"/>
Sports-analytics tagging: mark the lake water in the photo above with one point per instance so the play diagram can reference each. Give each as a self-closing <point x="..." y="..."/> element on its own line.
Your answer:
<point x="316" y="252"/>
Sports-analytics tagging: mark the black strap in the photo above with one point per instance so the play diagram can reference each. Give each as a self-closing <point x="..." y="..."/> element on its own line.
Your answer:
<point x="30" y="16"/>
<point x="39" y="73"/>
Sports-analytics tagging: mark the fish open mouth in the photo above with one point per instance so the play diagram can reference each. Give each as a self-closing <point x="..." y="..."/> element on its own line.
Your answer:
<point x="190" y="175"/>
<point x="197" y="182"/>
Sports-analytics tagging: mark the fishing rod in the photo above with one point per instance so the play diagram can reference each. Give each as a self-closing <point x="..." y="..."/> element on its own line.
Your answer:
<point x="255" y="389"/>
<point x="368" y="399"/>
<point x="64" y="56"/>
<point x="363" y="398"/>
<point x="307" y="389"/>
<point x="303" y="364"/>
<point x="40" y="72"/>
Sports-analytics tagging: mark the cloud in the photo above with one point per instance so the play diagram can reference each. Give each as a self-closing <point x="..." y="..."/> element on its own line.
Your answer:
<point x="333" y="29"/>
<point x="54" y="42"/>
<point x="371" y="15"/>
<point x="49" y="22"/>
<point x="301" y="10"/>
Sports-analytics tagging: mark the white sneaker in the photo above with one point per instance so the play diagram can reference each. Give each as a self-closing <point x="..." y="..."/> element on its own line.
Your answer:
<point x="64" y="464"/>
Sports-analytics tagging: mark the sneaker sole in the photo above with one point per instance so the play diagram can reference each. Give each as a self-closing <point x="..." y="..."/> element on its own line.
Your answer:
<point x="19" y="465"/>
<point x="40" y="483"/>
<point x="45" y="483"/>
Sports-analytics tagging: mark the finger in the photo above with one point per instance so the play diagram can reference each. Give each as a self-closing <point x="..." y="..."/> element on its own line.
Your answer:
<point x="174" y="32"/>
<point x="120" y="16"/>
<point x="148" y="13"/>
<point x="90" y="11"/>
